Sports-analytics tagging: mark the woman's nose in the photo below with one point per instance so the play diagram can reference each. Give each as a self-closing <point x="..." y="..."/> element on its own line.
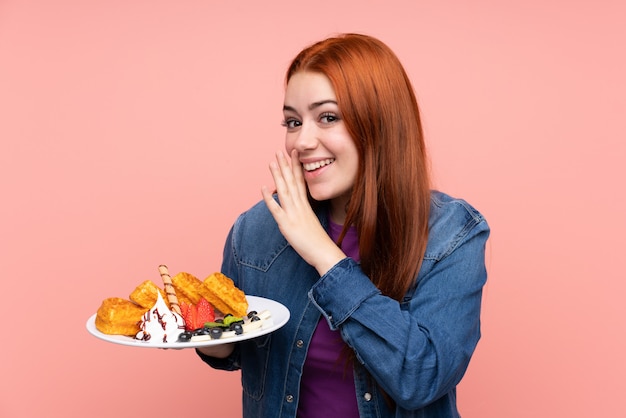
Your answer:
<point x="306" y="138"/>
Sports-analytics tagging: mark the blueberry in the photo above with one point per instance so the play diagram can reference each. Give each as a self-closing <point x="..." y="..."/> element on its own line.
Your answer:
<point x="237" y="328"/>
<point x="184" y="337"/>
<point x="254" y="318"/>
<point x="216" y="333"/>
<point x="252" y="314"/>
<point x="201" y="331"/>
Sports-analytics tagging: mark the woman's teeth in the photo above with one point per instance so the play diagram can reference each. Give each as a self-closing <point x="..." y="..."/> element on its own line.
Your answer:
<point x="317" y="164"/>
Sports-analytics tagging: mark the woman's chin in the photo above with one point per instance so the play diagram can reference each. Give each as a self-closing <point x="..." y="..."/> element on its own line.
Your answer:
<point x="320" y="195"/>
<point x="327" y="195"/>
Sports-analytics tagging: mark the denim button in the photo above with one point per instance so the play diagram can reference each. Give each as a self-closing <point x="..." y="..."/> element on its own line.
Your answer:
<point x="299" y="343"/>
<point x="289" y="398"/>
<point x="367" y="396"/>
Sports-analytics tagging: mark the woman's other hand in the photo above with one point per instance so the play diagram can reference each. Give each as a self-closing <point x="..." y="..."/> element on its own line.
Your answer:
<point x="217" y="351"/>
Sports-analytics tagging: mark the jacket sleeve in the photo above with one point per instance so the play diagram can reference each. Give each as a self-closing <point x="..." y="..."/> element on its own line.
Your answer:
<point x="417" y="350"/>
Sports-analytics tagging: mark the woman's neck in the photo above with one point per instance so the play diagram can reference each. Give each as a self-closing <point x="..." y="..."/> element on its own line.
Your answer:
<point x="338" y="210"/>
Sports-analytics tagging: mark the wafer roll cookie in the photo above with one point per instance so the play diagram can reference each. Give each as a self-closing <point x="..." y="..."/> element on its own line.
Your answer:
<point x="169" y="289"/>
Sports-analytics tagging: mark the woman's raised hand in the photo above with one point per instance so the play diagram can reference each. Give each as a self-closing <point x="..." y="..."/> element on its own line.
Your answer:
<point x="295" y="217"/>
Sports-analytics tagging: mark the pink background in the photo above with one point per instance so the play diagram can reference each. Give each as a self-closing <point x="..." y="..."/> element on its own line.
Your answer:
<point x="134" y="132"/>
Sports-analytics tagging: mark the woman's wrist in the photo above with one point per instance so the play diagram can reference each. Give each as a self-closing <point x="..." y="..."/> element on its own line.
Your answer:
<point x="328" y="259"/>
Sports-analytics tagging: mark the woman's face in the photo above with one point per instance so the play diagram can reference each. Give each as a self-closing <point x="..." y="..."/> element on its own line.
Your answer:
<point x="315" y="129"/>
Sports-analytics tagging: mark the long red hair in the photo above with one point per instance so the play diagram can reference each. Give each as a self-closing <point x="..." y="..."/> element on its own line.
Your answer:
<point x="390" y="200"/>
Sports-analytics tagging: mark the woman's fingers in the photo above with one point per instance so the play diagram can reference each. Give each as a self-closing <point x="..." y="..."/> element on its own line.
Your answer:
<point x="293" y="206"/>
<point x="289" y="181"/>
<point x="281" y="175"/>
<point x="298" y="175"/>
<point x="286" y="173"/>
<point x="279" y="179"/>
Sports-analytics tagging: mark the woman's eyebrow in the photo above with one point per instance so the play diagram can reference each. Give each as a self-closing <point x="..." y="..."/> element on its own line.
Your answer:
<point x="323" y="102"/>
<point x="311" y="106"/>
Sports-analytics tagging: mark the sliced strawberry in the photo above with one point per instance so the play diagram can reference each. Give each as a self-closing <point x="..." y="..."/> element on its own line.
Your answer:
<point x="184" y="308"/>
<point x="187" y="312"/>
<point x="193" y="317"/>
<point x="196" y="315"/>
<point x="206" y="313"/>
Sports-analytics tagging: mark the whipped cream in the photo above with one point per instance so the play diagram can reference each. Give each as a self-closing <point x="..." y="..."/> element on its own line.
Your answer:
<point x="160" y="324"/>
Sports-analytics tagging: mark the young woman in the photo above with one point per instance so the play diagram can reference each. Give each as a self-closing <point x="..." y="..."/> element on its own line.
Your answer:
<point x="382" y="276"/>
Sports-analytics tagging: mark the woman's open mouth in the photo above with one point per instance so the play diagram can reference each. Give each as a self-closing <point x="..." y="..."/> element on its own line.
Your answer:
<point x="318" y="164"/>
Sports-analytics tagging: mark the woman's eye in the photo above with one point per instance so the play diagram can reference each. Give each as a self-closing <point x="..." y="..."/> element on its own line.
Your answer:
<point x="328" y="118"/>
<point x="291" y="123"/>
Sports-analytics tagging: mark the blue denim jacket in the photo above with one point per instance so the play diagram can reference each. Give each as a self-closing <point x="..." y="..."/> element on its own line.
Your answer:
<point x="416" y="351"/>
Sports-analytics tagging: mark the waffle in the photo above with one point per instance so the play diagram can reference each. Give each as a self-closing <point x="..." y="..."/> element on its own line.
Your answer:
<point x="117" y="316"/>
<point x="225" y="296"/>
<point x="145" y="295"/>
<point x="189" y="288"/>
<point x="217" y="289"/>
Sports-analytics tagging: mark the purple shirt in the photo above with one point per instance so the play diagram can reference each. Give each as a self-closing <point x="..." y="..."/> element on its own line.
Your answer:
<point x="327" y="384"/>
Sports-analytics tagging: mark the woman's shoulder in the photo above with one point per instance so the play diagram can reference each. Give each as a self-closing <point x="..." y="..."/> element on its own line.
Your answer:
<point x="444" y="205"/>
<point x="256" y="220"/>
<point x="255" y="238"/>
<point x="452" y="220"/>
